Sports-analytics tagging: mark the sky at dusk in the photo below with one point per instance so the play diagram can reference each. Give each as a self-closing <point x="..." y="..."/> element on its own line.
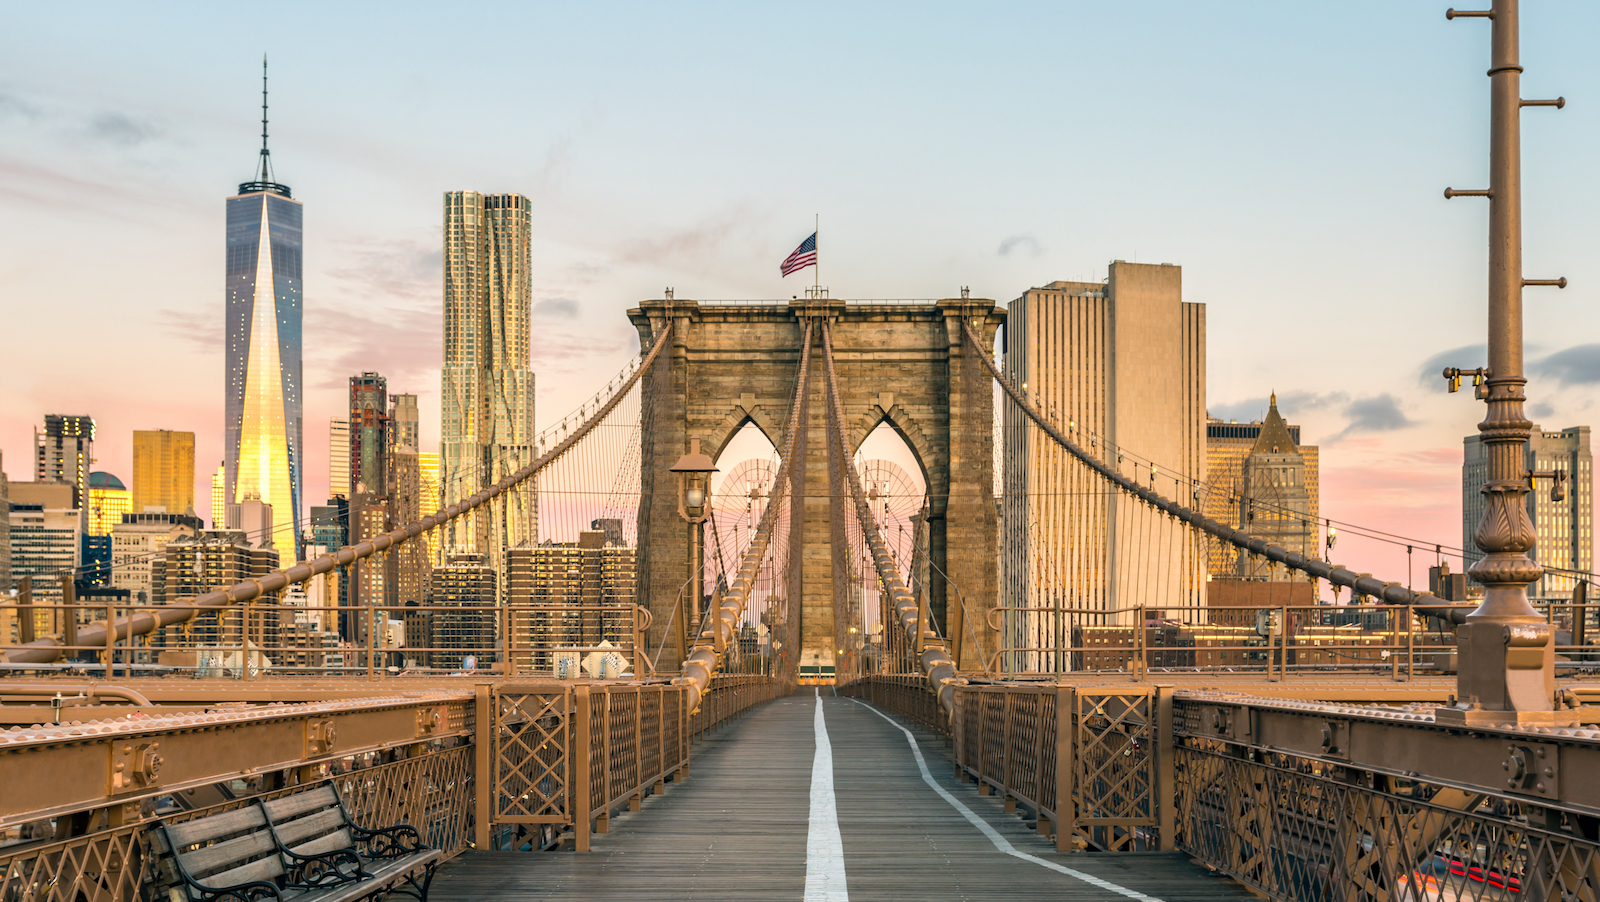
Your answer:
<point x="1289" y="156"/>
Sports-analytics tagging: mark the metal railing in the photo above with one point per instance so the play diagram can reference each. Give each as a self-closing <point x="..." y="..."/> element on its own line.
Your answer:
<point x="506" y="766"/>
<point x="1279" y="640"/>
<point x="905" y="694"/>
<point x="431" y="790"/>
<point x="265" y="637"/>
<point x="1299" y="800"/>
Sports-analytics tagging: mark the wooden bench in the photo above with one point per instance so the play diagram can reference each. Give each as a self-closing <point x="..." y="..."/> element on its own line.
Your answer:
<point x="300" y="847"/>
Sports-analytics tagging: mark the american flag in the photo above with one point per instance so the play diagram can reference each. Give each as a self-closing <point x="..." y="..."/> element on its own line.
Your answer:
<point x="803" y="256"/>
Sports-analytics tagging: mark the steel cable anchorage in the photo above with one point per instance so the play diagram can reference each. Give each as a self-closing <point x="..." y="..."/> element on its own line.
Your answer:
<point x="1388" y="593"/>
<point x="936" y="661"/>
<point x="706" y="656"/>
<point x="147" y="621"/>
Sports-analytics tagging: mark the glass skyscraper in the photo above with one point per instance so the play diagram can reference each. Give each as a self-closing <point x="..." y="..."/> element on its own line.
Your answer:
<point x="263" y="440"/>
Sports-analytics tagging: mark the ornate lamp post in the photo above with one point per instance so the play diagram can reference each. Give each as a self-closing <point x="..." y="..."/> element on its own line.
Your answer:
<point x="694" y="476"/>
<point x="1507" y="666"/>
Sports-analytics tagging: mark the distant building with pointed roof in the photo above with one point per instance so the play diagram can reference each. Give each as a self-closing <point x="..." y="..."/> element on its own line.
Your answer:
<point x="1260" y="478"/>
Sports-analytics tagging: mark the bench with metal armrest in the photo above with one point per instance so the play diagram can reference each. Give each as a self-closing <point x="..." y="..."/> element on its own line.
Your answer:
<point x="302" y="847"/>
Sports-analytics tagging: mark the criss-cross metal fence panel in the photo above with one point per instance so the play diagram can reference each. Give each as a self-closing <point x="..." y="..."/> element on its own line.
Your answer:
<point x="1114" y="780"/>
<point x="1300" y="829"/>
<point x="532" y="755"/>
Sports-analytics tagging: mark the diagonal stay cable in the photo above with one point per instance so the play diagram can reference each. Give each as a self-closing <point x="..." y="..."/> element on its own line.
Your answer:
<point x="1366" y="585"/>
<point x="936" y="661"/>
<point x="704" y="658"/>
<point x="48" y="649"/>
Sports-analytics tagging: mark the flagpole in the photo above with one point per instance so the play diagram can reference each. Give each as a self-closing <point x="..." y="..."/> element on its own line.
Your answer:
<point x="816" y="273"/>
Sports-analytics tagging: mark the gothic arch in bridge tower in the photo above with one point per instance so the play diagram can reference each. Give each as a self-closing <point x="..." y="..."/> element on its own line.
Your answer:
<point x="904" y="425"/>
<point x="904" y="364"/>
<point x="745" y="410"/>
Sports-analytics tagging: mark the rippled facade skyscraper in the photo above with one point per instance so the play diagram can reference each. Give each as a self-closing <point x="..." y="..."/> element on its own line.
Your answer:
<point x="487" y="385"/>
<point x="263" y="440"/>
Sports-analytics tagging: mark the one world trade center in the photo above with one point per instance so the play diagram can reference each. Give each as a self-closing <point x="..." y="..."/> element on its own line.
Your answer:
<point x="263" y="443"/>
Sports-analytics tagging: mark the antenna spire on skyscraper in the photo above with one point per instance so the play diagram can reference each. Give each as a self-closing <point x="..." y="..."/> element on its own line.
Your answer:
<point x="264" y="179"/>
<point x="264" y="168"/>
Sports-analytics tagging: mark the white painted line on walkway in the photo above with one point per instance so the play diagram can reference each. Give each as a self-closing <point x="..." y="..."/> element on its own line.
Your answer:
<point x="1000" y="842"/>
<point x="825" y="881"/>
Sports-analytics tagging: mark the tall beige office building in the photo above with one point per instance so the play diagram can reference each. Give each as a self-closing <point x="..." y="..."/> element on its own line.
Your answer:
<point x="1121" y="367"/>
<point x="1564" y="528"/>
<point x="428" y="492"/>
<point x="409" y="565"/>
<point x="1249" y="470"/>
<point x="339" y="457"/>
<point x="487" y="385"/>
<point x="138" y="541"/>
<point x="219" y="497"/>
<point x="163" y="471"/>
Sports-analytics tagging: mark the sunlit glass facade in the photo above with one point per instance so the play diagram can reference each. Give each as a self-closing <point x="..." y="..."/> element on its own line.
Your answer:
<point x="264" y="406"/>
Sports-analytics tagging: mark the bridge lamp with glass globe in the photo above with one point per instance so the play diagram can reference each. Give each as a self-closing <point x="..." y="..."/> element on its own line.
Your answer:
<point x="694" y="477"/>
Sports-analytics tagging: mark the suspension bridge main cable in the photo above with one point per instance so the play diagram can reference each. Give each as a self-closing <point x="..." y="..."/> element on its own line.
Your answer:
<point x="1396" y="594"/>
<point x="42" y="651"/>
<point x="936" y="662"/>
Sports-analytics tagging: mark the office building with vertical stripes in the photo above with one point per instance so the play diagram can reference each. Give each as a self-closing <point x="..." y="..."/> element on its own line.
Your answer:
<point x="1121" y="366"/>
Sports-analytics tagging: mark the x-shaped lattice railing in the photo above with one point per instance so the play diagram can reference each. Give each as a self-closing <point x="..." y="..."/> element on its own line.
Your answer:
<point x="1113" y="756"/>
<point x="531" y="756"/>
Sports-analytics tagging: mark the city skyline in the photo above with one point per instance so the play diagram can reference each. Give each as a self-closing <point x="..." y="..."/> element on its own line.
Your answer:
<point x="1266" y="206"/>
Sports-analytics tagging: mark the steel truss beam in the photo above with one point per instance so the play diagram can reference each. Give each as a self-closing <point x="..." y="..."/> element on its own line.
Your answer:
<point x="58" y="769"/>
<point x="1546" y="766"/>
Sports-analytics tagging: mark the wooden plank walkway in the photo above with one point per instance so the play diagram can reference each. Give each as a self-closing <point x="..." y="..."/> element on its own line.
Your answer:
<point x="738" y="829"/>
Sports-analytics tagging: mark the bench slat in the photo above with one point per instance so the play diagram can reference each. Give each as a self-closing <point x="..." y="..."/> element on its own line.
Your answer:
<point x="220" y="856"/>
<point x="205" y="829"/>
<point x="340" y="839"/>
<point x="260" y="869"/>
<point x="293" y="833"/>
<point x="292" y="806"/>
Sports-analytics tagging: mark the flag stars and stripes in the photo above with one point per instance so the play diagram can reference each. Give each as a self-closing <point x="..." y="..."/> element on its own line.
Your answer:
<point x="803" y="256"/>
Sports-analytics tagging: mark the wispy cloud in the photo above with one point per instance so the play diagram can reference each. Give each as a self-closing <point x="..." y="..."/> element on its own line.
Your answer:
<point x="41" y="186"/>
<point x="202" y="333"/>
<point x="12" y="105"/>
<point x="1465" y="357"/>
<point x="561" y="350"/>
<point x="121" y="130"/>
<point x="1021" y="243"/>
<point x="555" y="308"/>
<point x="1577" y="365"/>
<point x="1366" y="414"/>
<point x="1291" y="404"/>
<point x="404" y="345"/>
<point x="699" y="240"/>
<point x="1378" y="413"/>
<point x="389" y="270"/>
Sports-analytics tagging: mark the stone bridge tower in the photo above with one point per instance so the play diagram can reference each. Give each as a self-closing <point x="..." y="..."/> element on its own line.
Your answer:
<point x="901" y="363"/>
